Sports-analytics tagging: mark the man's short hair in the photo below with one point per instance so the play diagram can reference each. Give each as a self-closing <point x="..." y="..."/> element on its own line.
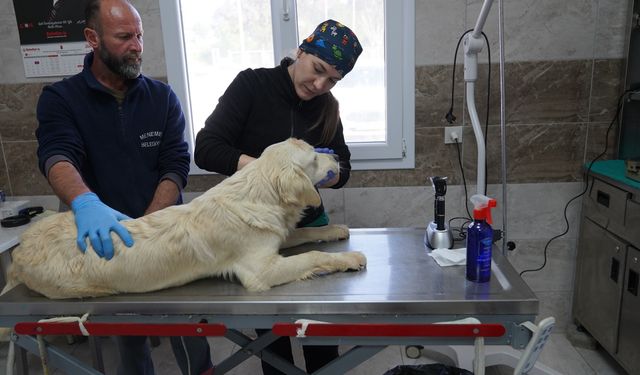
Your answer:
<point x="92" y="14"/>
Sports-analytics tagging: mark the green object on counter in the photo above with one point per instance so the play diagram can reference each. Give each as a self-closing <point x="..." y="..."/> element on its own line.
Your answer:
<point x="614" y="169"/>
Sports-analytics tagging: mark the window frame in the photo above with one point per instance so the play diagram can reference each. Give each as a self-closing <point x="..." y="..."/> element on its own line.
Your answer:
<point x="398" y="152"/>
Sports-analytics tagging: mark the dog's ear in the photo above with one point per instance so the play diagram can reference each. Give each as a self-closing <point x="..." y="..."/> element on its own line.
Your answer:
<point x="295" y="187"/>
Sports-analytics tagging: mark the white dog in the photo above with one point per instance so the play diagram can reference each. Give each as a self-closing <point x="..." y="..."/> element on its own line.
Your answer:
<point x="234" y="229"/>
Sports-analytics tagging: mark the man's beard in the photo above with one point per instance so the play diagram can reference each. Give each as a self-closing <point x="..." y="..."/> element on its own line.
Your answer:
<point x="121" y="66"/>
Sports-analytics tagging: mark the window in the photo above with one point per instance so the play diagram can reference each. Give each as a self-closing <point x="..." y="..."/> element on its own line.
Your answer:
<point x="207" y="43"/>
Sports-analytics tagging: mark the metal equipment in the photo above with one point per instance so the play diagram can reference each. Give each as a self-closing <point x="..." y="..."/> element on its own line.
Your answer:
<point x="438" y="234"/>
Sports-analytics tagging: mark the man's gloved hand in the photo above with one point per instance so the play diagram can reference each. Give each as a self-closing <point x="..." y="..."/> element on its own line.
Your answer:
<point x="96" y="220"/>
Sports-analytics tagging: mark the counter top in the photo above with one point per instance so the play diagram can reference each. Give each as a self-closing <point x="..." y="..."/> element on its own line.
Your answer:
<point x="10" y="237"/>
<point x="615" y="170"/>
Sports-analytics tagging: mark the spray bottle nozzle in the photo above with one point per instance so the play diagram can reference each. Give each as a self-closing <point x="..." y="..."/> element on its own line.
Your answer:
<point x="482" y="206"/>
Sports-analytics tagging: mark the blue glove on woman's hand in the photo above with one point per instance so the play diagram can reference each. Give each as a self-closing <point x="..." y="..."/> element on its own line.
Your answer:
<point x="330" y="175"/>
<point x="324" y="150"/>
<point x="96" y="220"/>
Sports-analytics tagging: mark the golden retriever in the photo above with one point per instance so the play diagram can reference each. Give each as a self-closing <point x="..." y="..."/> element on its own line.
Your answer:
<point x="235" y="229"/>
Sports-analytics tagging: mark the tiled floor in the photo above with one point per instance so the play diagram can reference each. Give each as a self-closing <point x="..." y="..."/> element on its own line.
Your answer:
<point x="558" y="354"/>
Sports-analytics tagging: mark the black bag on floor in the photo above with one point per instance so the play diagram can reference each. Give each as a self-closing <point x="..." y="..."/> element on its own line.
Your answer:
<point x="431" y="369"/>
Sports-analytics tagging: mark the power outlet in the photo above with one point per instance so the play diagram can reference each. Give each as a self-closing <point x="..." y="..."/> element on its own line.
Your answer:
<point x="452" y="134"/>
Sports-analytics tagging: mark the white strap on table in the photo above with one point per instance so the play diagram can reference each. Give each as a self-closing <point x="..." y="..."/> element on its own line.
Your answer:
<point x="70" y="319"/>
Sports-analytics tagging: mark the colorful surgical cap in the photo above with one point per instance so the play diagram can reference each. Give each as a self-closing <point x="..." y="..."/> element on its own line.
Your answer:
<point x="335" y="44"/>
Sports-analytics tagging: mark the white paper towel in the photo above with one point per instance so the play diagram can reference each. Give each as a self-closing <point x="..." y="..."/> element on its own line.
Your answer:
<point x="449" y="257"/>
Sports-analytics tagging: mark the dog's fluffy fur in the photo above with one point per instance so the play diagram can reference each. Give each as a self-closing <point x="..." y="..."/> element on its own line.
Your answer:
<point x="233" y="230"/>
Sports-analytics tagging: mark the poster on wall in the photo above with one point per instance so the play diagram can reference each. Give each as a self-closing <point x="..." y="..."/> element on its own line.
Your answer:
<point x="51" y="36"/>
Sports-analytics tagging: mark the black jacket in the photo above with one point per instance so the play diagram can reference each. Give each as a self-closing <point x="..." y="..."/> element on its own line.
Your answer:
<point x="259" y="108"/>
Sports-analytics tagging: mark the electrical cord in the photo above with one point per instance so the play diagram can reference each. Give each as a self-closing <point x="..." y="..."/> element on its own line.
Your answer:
<point x="450" y="117"/>
<point x="461" y="231"/>
<point x="586" y="183"/>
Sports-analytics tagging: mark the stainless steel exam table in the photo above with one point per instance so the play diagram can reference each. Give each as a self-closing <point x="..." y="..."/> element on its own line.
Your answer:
<point x="401" y="285"/>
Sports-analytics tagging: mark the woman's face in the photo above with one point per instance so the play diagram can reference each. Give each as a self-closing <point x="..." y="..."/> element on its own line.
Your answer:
<point x="312" y="76"/>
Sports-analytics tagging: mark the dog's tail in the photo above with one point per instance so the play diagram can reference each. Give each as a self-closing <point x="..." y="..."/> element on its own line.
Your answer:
<point x="9" y="286"/>
<point x="12" y="281"/>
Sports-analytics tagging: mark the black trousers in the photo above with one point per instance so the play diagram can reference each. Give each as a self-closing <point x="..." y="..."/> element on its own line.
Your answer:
<point x="315" y="356"/>
<point x="135" y="355"/>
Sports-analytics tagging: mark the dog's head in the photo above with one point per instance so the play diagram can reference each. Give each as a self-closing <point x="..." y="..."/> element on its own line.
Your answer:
<point x="297" y="169"/>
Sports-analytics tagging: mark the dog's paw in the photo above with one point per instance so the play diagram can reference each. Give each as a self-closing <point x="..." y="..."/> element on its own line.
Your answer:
<point x="337" y="232"/>
<point x="356" y="260"/>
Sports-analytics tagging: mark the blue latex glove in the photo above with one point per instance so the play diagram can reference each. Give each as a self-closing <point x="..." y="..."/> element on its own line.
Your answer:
<point x="330" y="175"/>
<point x="96" y="220"/>
<point x="324" y="150"/>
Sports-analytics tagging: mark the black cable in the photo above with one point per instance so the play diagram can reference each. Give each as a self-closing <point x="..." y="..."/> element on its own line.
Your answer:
<point x="461" y="233"/>
<point x="449" y="116"/>
<point x="586" y="184"/>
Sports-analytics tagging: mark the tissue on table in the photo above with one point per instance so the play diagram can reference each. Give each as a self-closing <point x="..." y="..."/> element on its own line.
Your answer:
<point x="449" y="257"/>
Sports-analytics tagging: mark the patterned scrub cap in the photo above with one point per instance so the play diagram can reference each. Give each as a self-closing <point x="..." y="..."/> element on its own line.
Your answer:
<point x="335" y="44"/>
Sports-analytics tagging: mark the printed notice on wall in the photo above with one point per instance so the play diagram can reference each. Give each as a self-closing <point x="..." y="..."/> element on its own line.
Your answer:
<point x="51" y="36"/>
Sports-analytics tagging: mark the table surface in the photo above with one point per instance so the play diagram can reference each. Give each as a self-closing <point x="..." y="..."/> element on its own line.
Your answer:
<point x="400" y="278"/>
<point x="10" y="237"/>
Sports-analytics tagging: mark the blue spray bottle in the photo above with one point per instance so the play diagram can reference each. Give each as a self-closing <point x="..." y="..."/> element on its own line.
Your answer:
<point x="480" y="239"/>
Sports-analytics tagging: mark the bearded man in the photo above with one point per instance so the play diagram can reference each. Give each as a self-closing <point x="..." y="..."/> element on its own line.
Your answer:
<point x="111" y="145"/>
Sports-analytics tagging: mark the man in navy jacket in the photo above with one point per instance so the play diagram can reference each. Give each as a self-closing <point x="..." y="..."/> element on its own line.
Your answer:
<point x="111" y="144"/>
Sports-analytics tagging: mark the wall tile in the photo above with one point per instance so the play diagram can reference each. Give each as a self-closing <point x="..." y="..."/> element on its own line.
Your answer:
<point x="536" y="211"/>
<point x="606" y="86"/>
<point x="11" y="66"/>
<point x="439" y="23"/>
<point x="544" y="92"/>
<point x="535" y="153"/>
<point x="433" y="158"/>
<point x="596" y="141"/>
<point x="154" y="64"/>
<point x="559" y="270"/>
<point x="611" y="29"/>
<point x="18" y="110"/>
<point x="4" y="173"/>
<point x="541" y="30"/>
<point x="549" y="91"/>
<point x="333" y="201"/>
<point x="22" y="165"/>
<point x="558" y="305"/>
<point x="433" y="94"/>
<point x="387" y="207"/>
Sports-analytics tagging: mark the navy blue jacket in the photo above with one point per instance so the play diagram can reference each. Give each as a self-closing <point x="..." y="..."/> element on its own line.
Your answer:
<point x="122" y="151"/>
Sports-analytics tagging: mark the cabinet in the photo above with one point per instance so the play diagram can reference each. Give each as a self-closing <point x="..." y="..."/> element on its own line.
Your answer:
<point x="606" y="301"/>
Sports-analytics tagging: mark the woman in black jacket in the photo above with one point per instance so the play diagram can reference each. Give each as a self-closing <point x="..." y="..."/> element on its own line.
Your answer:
<point x="268" y="105"/>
